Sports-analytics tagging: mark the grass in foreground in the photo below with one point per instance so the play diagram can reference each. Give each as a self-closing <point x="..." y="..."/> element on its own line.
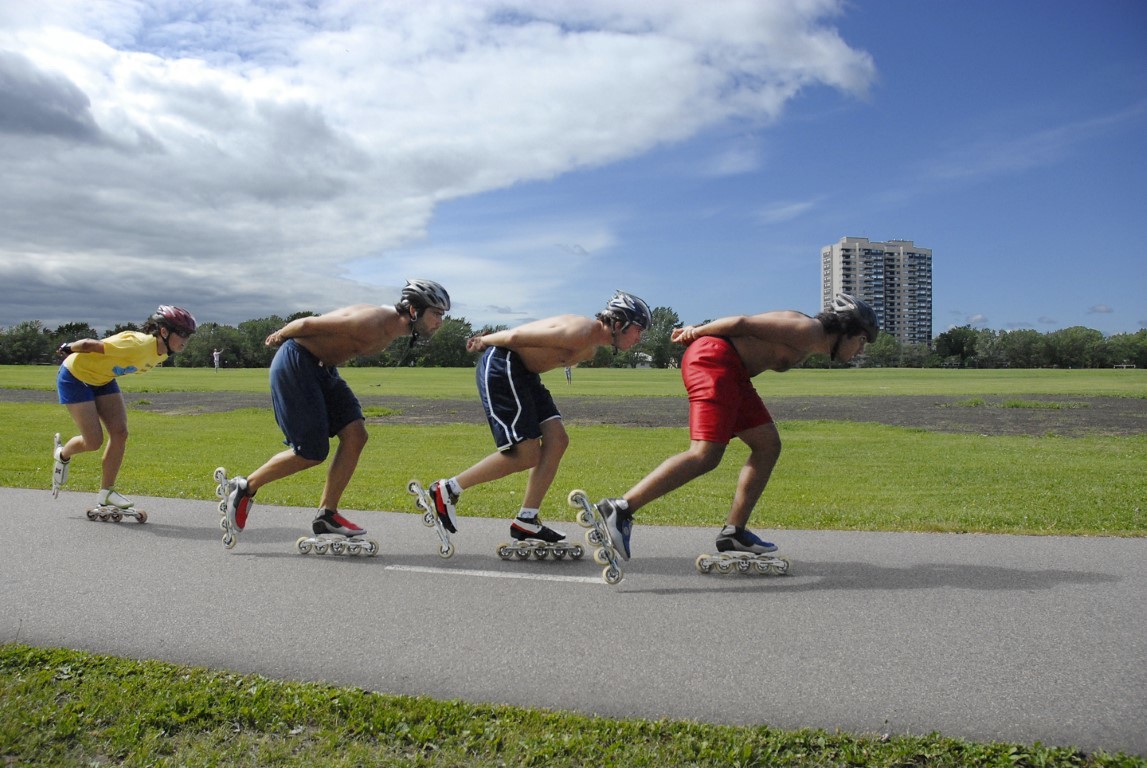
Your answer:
<point x="64" y="708"/>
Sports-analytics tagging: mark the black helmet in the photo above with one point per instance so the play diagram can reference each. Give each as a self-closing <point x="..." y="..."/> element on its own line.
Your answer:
<point x="859" y="313"/>
<point x="630" y="309"/>
<point x="174" y="319"/>
<point x="426" y="293"/>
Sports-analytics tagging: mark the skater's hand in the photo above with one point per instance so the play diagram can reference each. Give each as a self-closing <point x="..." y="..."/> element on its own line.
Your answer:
<point x="64" y="350"/>
<point x="475" y="344"/>
<point x="684" y="335"/>
<point x="275" y="339"/>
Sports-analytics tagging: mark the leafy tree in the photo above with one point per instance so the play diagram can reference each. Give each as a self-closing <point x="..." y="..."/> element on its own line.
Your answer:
<point x="1077" y="347"/>
<point x="885" y="352"/>
<point x="26" y="343"/>
<point x="957" y="346"/>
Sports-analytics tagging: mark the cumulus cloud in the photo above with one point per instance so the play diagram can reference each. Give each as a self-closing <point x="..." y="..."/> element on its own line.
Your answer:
<point x="1099" y="309"/>
<point x="977" y="319"/>
<point x="245" y="159"/>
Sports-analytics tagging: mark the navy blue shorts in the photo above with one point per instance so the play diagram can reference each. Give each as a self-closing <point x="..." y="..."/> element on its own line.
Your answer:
<point x="312" y="402"/>
<point x="72" y="390"/>
<point x="514" y="398"/>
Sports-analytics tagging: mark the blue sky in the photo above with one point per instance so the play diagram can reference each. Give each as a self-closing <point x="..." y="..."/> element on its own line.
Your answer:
<point x="248" y="159"/>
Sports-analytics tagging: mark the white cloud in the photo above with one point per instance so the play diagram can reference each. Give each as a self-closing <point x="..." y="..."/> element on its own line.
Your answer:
<point x="1099" y="309"/>
<point x="244" y="159"/>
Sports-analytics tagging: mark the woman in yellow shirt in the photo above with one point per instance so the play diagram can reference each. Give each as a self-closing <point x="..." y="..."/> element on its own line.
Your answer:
<point x="87" y="387"/>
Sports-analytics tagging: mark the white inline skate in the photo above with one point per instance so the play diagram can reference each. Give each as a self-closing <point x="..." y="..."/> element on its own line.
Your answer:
<point x="223" y="487"/>
<point x="115" y="507"/>
<point x="59" y="468"/>
<point x="430" y="517"/>
<point x="604" y="553"/>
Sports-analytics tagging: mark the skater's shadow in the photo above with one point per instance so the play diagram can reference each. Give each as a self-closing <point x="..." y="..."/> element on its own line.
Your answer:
<point x="812" y="576"/>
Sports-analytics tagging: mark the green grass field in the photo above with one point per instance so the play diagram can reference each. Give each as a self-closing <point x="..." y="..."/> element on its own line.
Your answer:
<point x="458" y="383"/>
<point x="64" y="708"/>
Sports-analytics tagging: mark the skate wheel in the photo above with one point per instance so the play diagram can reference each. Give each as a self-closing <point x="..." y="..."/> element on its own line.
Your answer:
<point x="223" y="508"/>
<point x="780" y="567"/>
<point x="446" y="551"/>
<point x="576" y="551"/>
<point x="704" y="565"/>
<point x="428" y="519"/>
<point x="593" y="537"/>
<point x="116" y="516"/>
<point x="229" y="540"/>
<point x="584" y="519"/>
<point x="541" y="553"/>
<point x="600" y="557"/>
<point x="370" y="549"/>
<point x="414" y="488"/>
<point x="220" y="475"/>
<point x="141" y="517"/>
<point x="303" y="545"/>
<point x="353" y="549"/>
<point x="744" y="566"/>
<point x="321" y="548"/>
<point x="338" y="548"/>
<point x="523" y="553"/>
<point x="611" y="575"/>
<point x="577" y="498"/>
<point x="505" y="551"/>
<point x="560" y="554"/>
<point x="724" y="567"/>
<point x="92" y="514"/>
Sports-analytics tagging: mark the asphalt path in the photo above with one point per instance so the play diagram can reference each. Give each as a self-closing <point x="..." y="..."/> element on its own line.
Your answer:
<point x="988" y="638"/>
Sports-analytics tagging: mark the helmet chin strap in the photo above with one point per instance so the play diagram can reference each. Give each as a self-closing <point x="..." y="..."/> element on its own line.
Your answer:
<point x="836" y="347"/>
<point x="166" y="343"/>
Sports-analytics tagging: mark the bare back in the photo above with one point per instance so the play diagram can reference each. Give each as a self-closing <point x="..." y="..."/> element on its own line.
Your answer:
<point x="771" y="341"/>
<point x="346" y="333"/>
<point x="555" y="342"/>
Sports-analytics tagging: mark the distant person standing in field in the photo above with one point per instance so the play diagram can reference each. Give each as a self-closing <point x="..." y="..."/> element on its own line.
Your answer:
<point x="87" y="386"/>
<point x="722" y="358"/>
<point x="524" y="420"/>
<point x="217" y="357"/>
<point x="313" y="403"/>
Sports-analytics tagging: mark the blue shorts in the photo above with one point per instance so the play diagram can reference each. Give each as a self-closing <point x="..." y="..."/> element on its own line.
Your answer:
<point x="514" y="398"/>
<point x="312" y="402"/>
<point x="72" y="390"/>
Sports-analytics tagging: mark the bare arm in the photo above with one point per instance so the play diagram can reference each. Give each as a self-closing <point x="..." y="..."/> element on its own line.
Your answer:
<point x="787" y="327"/>
<point x="563" y="332"/>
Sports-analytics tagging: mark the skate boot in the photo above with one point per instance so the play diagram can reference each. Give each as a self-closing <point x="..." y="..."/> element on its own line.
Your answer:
<point x="235" y="506"/>
<point x="59" y="468"/>
<point x="619" y="523"/>
<point x="335" y="534"/>
<point x="114" y="506"/>
<point x="431" y="517"/>
<point x="532" y="537"/>
<point x="605" y="547"/>
<point x="330" y="521"/>
<point x="741" y="550"/>
<point x="445" y="502"/>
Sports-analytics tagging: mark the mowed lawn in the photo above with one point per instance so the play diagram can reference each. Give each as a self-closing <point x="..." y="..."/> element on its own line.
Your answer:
<point x="839" y="475"/>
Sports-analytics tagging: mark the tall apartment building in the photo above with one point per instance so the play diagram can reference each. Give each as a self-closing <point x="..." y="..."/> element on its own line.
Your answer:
<point x="894" y="278"/>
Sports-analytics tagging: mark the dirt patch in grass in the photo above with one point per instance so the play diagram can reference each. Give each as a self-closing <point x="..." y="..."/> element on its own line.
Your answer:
<point x="1023" y="415"/>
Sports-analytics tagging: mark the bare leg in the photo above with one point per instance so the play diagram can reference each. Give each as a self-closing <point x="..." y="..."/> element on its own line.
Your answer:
<point x="91" y="435"/>
<point x="113" y="414"/>
<point x="280" y="465"/>
<point x="555" y="440"/>
<point x="352" y="440"/>
<point x="764" y="449"/>
<point x="521" y="457"/>
<point x="675" y="472"/>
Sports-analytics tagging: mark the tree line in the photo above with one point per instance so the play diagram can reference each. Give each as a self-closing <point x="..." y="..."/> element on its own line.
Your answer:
<point x="30" y="343"/>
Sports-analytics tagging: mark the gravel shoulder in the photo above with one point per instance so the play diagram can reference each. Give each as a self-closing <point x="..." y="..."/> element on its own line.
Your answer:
<point x="1034" y="415"/>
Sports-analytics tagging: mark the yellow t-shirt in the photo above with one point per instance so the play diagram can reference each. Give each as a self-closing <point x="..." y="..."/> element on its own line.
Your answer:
<point x="124" y="353"/>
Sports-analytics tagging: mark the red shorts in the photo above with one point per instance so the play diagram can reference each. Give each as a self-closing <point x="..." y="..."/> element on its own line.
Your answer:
<point x="722" y="400"/>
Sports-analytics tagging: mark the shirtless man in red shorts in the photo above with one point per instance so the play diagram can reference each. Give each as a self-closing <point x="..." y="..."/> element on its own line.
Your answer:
<point x="717" y="368"/>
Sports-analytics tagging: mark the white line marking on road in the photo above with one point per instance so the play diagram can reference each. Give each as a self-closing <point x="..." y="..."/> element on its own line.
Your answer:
<point x="494" y="574"/>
